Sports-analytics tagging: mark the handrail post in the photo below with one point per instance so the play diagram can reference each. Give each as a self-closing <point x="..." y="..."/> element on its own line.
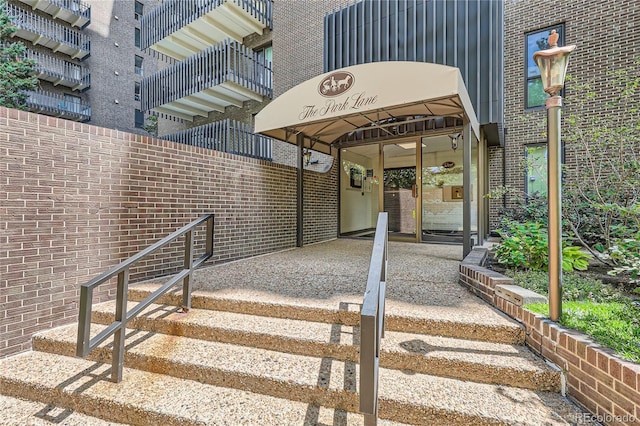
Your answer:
<point x="368" y="369"/>
<point x="209" y="239"/>
<point x="188" y="264"/>
<point x="84" y="321"/>
<point x="117" y="361"/>
<point x="372" y="323"/>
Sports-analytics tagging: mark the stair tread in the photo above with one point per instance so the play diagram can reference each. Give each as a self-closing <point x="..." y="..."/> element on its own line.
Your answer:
<point x="153" y="398"/>
<point x="20" y="412"/>
<point x="497" y="354"/>
<point x="478" y="352"/>
<point x="181" y="398"/>
<point x="279" y="365"/>
<point x="468" y="310"/>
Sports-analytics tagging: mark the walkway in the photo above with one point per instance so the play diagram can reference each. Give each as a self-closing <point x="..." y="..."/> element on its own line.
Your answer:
<point x="422" y="280"/>
<point x="274" y="340"/>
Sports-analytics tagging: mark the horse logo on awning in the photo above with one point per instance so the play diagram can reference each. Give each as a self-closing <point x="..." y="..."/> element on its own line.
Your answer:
<point x="336" y="84"/>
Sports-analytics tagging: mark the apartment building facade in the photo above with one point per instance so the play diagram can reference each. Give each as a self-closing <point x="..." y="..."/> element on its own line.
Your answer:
<point x="220" y="72"/>
<point x="207" y="68"/>
<point x="607" y="36"/>
<point x="87" y="58"/>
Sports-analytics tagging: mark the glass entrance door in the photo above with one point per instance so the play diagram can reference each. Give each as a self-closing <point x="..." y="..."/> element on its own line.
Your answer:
<point x="359" y="195"/>
<point x="443" y="191"/>
<point x="400" y="192"/>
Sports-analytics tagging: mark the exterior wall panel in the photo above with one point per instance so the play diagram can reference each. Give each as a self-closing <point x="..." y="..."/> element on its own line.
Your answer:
<point x="464" y="33"/>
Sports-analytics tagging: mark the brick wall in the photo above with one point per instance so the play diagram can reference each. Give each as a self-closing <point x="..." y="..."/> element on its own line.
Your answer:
<point x="607" y="35"/>
<point x="321" y="205"/>
<point x="604" y="384"/>
<point x="298" y="51"/>
<point x="76" y="199"/>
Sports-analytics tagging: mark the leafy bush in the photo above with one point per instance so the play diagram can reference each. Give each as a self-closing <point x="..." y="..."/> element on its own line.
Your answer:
<point x="574" y="258"/>
<point x="525" y="246"/>
<point x="574" y="286"/>
<point x="625" y="253"/>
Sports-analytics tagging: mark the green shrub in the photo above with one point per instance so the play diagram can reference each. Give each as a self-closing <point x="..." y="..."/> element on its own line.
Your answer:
<point x="625" y="254"/>
<point x="525" y="246"/>
<point x="574" y="286"/>
<point x="574" y="258"/>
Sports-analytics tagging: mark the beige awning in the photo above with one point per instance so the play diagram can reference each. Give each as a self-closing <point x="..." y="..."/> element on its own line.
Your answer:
<point x="366" y="96"/>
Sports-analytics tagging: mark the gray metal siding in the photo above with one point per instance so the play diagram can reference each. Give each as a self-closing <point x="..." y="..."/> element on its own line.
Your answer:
<point x="462" y="33"/>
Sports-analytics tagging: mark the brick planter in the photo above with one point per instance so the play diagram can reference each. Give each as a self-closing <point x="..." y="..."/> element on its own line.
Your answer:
<point x="606" y="385"/>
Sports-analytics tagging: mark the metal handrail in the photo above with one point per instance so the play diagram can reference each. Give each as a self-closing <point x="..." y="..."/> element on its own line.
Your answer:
<point x="227" y="136"/>
<point x="42" y="26"/>
<point x="372" y="322"/>
<point x="227" y="61"/>
<point x="85" y="344"/>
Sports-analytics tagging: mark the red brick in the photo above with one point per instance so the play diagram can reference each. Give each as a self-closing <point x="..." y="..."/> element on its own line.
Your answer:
<point x="630" y="375"/>
<point x="63" y="242"/>
<point x="628" y="392"/>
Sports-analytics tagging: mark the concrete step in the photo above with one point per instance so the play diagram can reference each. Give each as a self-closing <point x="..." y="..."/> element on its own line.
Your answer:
<point x="145" y="397"/>
<point x="21" y="412"/>
<point x="436" y="321"/>
<point x="483" y="362"/>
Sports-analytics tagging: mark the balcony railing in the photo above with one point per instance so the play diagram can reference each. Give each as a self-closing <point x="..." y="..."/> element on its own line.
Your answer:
<point x="181" y="28"/>
<point x="48" y="103"/>
<point x="60" y="72"/>
<point x="223" y="75"/>
<point x="75" y="12"/>
<point x="45" y="32"/>
<point x="226" y="136"/>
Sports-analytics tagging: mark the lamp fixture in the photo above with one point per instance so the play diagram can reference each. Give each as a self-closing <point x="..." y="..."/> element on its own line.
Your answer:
<point x="553" y="64"/>
<point x="307" y="156"/>
<point x="454" y="140"/>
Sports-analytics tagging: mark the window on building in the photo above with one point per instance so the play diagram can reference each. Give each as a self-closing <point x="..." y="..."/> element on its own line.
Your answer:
<point x="138" y="38"/>
<point x="535" y="41"/>
<point x="139" y="119"/>
<point x="138" y="65"/>
<point x="139" y="7"/>
<point x="536" y="176"/>
<point x="137" y="91"/>
<point x="265" y="56"/>
<point x="537" y="159"/>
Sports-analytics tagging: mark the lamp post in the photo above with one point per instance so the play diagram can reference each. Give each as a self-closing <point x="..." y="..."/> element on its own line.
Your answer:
<point x="553" y="63"/>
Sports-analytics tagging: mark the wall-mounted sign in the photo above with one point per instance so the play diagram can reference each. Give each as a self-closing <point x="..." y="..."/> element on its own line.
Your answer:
<point x="448" y="164"/>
